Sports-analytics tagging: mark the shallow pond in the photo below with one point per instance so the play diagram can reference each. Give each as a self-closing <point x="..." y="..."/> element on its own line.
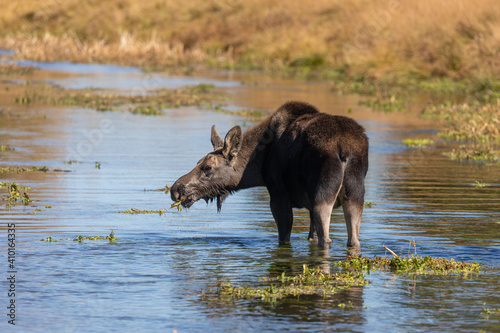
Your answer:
<point x="152" y="277"/>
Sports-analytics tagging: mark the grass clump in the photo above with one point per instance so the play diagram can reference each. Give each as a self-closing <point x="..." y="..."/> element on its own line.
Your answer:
<point x="310" y="282"/>
<point x="418" y="143"/>
<point x="80" y="239"/>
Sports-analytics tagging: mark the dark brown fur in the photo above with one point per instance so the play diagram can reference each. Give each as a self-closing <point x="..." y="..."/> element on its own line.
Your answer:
<point x="304" y="157"/>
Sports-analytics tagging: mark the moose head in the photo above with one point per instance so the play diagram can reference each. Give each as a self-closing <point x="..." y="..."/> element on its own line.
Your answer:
<point x="216" y="175"/>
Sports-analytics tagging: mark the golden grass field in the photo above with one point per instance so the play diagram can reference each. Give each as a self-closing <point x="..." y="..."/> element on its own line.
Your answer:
<point x="448" y="38"/>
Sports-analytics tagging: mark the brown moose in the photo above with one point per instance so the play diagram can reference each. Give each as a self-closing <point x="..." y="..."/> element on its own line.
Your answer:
<point x="304" y="157"/>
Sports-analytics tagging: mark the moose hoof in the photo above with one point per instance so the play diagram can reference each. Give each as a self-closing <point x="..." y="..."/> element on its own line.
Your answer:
<point x="324" y="243"/>
<point x="353" y="245"/>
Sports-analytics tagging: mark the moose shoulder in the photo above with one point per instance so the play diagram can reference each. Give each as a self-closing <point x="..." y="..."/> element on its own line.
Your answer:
<point x="304" y="157"/>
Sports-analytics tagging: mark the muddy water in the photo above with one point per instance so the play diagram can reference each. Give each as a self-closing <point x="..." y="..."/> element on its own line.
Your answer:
<point x="151" y="279"/>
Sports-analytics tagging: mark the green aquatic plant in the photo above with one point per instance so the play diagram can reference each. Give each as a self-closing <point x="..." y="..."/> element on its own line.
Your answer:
<point x="111" y="237"/>
<point x="133" y="211"/>
<point x="311" y="281"/>
<point x="418" y="143"/>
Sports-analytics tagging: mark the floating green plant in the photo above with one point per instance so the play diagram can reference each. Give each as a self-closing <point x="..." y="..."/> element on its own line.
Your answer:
<point x="418" y="143"/>
<point x="139" y="211"/>
<point x="79" y="238"/>
<point x="487" y="312"/>
<point x="479" y="184"/>
<point x="165" y="189"/>
<point x="311" y="281"/>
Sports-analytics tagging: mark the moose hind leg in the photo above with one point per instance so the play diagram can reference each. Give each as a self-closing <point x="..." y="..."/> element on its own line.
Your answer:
<point x="320" y="218"/>
<point x="353" y="210"/>
<point x="352" y="199"/>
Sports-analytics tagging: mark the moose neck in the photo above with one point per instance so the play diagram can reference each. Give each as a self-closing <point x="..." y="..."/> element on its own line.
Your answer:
<point x="251" y="156"/>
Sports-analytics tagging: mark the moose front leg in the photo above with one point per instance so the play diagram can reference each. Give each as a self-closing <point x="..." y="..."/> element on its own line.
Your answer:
<point x="283" y="215"/>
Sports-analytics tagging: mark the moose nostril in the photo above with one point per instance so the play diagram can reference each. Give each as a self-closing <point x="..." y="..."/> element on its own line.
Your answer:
<point x="176" y="192"/>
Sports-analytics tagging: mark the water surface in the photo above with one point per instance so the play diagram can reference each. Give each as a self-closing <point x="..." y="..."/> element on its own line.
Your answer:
<point x="151" y="279"/>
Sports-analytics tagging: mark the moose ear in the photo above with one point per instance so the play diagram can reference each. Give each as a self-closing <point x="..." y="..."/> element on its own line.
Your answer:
<point x="216" y="139"/>
<point x="232" y="143"/>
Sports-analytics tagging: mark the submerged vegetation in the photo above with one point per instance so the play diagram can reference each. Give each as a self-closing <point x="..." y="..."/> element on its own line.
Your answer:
<point x="133" y="211"/>
<point x="311" y="281"/>
<point x="151" y="103"/>
<point x="22" y="170"/>
<point x="315" y="281"/>
<point x="11" y="68"/>
<point x="80" y="239"/>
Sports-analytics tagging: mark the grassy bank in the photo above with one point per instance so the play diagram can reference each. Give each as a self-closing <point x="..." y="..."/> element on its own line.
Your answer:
<point x="454" y="39"/>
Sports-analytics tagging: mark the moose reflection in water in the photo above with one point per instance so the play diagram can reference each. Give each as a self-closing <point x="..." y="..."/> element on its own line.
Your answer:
<point x="304" y="157"/>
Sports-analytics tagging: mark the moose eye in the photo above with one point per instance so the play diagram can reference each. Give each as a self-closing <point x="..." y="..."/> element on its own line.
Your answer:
<point x="207" y="168"/>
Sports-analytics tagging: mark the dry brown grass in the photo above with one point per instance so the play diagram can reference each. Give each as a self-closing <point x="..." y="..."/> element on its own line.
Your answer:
<point x="451" y="38"/>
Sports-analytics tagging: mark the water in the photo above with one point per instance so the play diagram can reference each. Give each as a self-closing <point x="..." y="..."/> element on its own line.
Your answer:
<point x="151" y="279"/>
